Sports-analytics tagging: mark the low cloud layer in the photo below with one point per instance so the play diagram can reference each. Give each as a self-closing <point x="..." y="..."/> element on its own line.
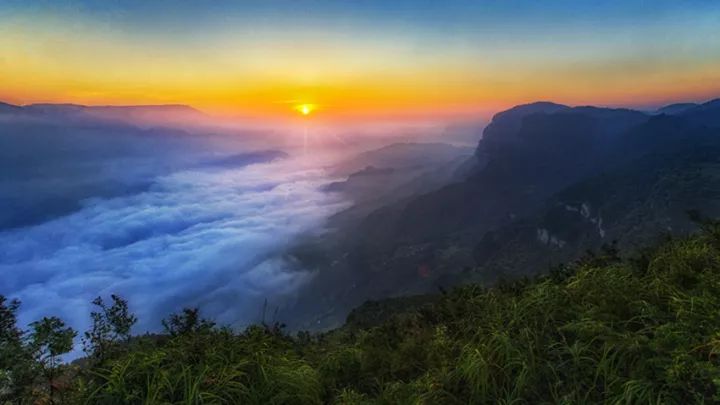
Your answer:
<point x="215" y="238"/>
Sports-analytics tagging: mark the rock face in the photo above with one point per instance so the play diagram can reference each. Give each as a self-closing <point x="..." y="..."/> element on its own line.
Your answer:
<point x="550" y="182"/>
<point x="642" y="184"/>
<point x="528" y="153"/>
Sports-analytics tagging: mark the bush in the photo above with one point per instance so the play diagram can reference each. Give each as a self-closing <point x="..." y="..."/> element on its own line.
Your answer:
<point x="603" y="329"/>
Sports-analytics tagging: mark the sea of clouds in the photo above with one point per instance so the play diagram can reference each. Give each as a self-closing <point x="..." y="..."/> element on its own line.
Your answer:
<point x="209" y="236"/>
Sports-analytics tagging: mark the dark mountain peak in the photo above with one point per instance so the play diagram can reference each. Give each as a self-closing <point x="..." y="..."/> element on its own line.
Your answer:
<point x="667" y="121"/>
<point x="605" y="112"/>
<point x="715" y="103"/>
<point x="707" y="114"/>
<point x="522" y="110"/>
<point x="544" y="124"/>
<point x="657" y="130"/>
<point x="677" y="108"/>
<point x="504" y="126"/>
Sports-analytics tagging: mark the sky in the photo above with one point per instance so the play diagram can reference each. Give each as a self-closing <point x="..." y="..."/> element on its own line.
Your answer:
<point x="359" y="58"/>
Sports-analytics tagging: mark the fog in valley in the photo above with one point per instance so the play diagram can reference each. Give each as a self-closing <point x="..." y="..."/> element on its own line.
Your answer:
<point x="172" y="215"/>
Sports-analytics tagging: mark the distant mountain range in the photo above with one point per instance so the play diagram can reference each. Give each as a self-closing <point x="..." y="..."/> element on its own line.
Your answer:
<point x="549" y="182"/>
<point x="163" y="113"/>
<point x="676" y="108"/>
<point x="54" y="157"/>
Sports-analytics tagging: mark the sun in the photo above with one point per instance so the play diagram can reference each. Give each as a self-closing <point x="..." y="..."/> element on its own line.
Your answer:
<point x="305" y="109"/>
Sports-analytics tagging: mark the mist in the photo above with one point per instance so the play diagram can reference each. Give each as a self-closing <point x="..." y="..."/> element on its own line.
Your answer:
<point x="165" y="218"/>
<point x="181" y="212"/>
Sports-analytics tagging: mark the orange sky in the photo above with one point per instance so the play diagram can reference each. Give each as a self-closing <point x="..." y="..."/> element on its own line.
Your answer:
<point x="358" y="70"/>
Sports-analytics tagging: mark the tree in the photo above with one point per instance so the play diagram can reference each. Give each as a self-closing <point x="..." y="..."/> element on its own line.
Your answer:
<point x="49" y="339"/>
<point x="10" y="334"/>
<point x="110" y="326"/>
<point x="190" y="329"/>
<point x="15" y="364"/>
<point x="187" y="322"/>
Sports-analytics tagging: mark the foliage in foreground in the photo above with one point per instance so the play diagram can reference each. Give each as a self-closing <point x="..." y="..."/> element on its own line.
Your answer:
<point x="643" y="329"/>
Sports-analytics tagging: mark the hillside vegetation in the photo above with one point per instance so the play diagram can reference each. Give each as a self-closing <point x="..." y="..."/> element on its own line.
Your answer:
<point x="637" y="329"/>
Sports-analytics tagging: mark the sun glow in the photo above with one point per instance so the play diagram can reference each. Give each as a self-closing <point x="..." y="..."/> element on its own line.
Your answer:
<point x="305" y="109"/>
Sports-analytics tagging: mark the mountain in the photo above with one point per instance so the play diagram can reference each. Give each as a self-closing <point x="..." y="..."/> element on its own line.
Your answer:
<point x="357" y="180"/>
<point x="402" y="156"/>
<point x="550" y="182"/>
<point x="527" y="155"/>
<point x="644" y="184"/>
<point x="704" y="114"/>
<point x="381" y="177"/>
<point x="55" y="109"/>
<point x="151" y="114"/>
<point x="676" y="108"/>
<point x="626" y="205"/>
<point x="6" y="108"/>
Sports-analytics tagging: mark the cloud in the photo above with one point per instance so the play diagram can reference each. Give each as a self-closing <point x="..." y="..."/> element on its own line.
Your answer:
<point x="214" y="238"/>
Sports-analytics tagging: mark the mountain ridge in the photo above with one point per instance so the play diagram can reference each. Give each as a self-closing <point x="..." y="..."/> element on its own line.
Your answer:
<point x="150" y="113"/>
<point x="546" y="175"/>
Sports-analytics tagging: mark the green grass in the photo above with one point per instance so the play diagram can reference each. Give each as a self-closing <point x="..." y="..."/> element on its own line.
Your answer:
<point x="640" y="330"/>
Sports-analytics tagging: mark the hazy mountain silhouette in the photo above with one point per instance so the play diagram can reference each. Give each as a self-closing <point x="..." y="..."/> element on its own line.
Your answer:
<point x="154" y="114"/>
<point x="676" y="108"/>
<point x="704" y="114"/>
<point x="6" y="108"/>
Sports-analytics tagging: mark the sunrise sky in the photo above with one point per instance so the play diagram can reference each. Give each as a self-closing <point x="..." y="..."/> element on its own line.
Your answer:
<point x="359" y="58"/>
